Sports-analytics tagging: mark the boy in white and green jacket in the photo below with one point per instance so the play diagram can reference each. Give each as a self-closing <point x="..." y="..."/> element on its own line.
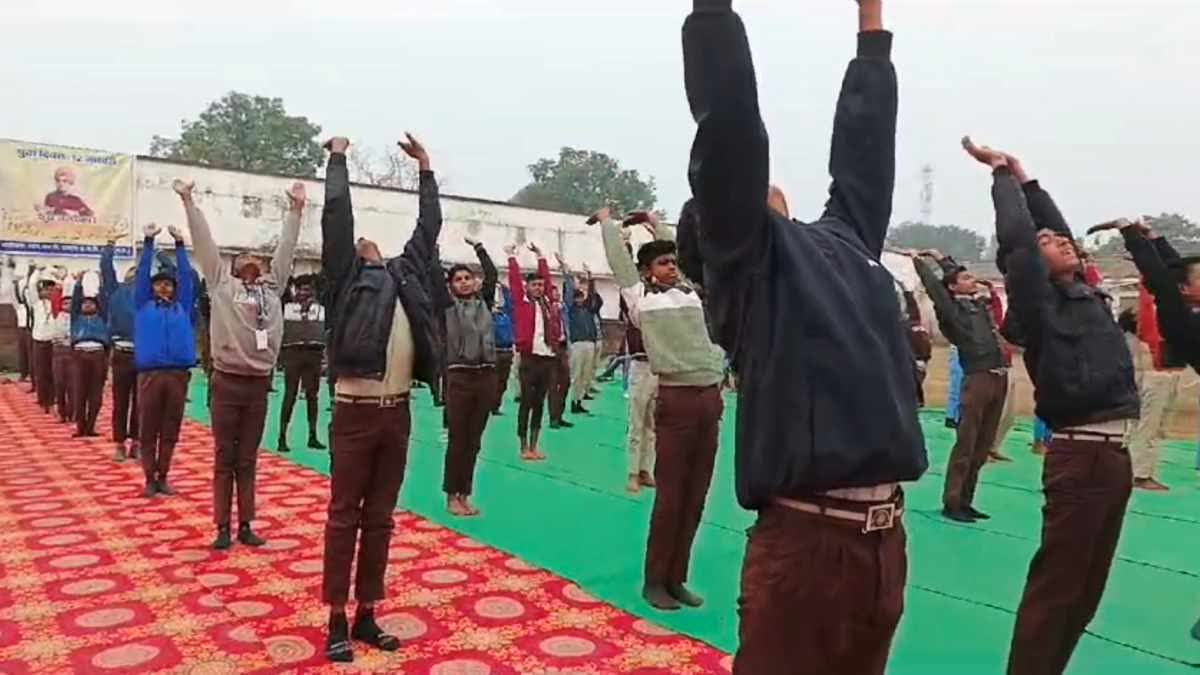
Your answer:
<point x="689" y="367"/>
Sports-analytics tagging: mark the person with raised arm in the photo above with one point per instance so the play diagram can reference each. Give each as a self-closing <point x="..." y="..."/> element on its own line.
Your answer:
<point x="827" y="415"/>
<point x="246" y="331"/>
<point x="539" y="332"/>
<point x="163" y="355"/>
<point x="583" y="306"/>
<point x="118" y="300"/>
<point x="380" y="315"/>
<point x="669" y="312"/>
<point x="966" y="321"/>
<point x="1084" y="387"/>
<point x="43" y="330"/>
<point x="90" y="342"/>
<point x="465" y="308"/>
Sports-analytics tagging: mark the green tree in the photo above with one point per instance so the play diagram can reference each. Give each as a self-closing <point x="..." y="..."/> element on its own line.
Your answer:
<point x="583" y="181"/>
<point x="1183" y="234"/>
<point x="958" y="242"/>
<point x="249" y="133"/>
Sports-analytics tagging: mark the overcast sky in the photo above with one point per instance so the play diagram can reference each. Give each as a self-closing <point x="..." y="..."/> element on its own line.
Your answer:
<point x="1101" y="99"/>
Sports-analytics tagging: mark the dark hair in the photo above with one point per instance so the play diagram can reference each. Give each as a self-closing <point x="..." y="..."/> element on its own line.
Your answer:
<point x="531" y="277"/>
<point x="163" y="276"/>
<point x="651" y="251"/>
<point x="1127" y="320"/>
<point x="455" y="269"/>
<point x="1181" y="269"/>
<point x="951" y="276"/>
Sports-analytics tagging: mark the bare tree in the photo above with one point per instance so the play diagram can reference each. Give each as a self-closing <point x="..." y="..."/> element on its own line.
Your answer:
<point x="390" y="168"/>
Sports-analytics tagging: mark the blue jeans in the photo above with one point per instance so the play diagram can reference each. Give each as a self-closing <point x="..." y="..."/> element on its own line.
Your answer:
<point x="954" y="396"/>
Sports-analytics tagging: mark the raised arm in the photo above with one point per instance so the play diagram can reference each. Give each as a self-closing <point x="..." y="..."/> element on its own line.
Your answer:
<point x="108" y="272"/>
<point x="207" y="253"/>
<point x="419" y="248"/>
<point x="337" y="222"/>
<point x="185" y="278"/>
<point x="1026" y="277"/>
<point x="142" y="293"/>
<point x="490" y="275"/>
<point x="285" y="251"/>
<point x="862" y="159"/>
<point x="729" y="170"/>
<point x="1174" y="316"/>
<point x="595" y="300"/>
<point x="619" y="261"/>
<point x="943" y="303"/>
<point x="77" y="297"/>
<point x="516" y="282"/>
<point x="8" y="285"/>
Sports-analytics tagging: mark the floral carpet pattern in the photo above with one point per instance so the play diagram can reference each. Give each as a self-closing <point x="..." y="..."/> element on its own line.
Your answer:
<point x="94" y="578"/>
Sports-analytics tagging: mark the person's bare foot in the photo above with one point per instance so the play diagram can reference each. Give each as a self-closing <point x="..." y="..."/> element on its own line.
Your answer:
<point x="1150" y="485"/>
<point x="647" y="480"/>
<point x="455" y="506"/>
<point x="635" y="485"/>
<point x="467" y="506"/>
<point x="528" y="456"/>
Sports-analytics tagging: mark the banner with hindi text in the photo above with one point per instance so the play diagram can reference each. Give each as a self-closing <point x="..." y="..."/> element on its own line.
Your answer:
<point x="63" y="201"/>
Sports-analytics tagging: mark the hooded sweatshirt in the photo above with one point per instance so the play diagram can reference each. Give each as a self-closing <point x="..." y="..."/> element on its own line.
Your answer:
<point x="240" y="310"/>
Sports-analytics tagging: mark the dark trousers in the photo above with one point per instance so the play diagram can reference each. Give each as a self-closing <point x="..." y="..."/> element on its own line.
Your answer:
<point x="560" y="384"/>
<point x="24" y="351"/>
<point x="982" y="405"/>
<point x="125" y="397"/>
<point x="370" y="449"/>
<point x="63" y="366"/>
<point x="301" y="366"/>
<point x="90" y="370"/>
<point x="504" y="361"/>
<point x="43" y="373"/>
<point x="686" y="421"/>
<point x="1087" y="485"/>
<point x="162" y="395"/>
<point x="470" y="394"/>
<point x="239" y="412"/>
<point x="535" y="374"/>
<point x="819" y="597"/>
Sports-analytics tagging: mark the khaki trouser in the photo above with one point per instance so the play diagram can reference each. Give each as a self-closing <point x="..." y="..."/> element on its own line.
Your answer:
<point x="643" y="393"/>
<point x="583" y="362"/>
<point x="1159" y="389"/>
<point x="1008" y="416"/>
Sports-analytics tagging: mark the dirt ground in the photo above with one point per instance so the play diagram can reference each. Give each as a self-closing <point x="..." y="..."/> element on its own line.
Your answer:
<point x="1182" y="424"/>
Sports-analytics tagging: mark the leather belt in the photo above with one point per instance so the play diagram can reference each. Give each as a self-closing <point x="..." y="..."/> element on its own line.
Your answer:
<point x="1086" y="435"/>
<point x="874" y="517"/>
<point x="380" y="401"/>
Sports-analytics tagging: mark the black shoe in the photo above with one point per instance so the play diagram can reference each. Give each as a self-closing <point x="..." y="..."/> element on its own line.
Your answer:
<point x="337" y="643"/>
<point x="958" y="515"/>
<point x="683" y="595"/>
<point x="223" y="540"/>
<point x="659" y="598"/>
<point x="497" y="413"/>
<point x="366" y="630"/>
<point x="246" y="536"/>
<point x="561" y="424"/>
<point x="589" y="397"/>
<point x="977" y="515"/>
<point x="164" y="488"/>
<point x="951" y="424"/>
<point x="578" y="409"/>
<point x="315" y="443"/>
<point x="151" y="489"/>
<point x="282" y="447"/>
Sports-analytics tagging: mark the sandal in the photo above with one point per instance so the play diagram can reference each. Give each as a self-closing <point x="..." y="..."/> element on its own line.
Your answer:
<point x="366" y="630"/>
<point x="337" y="645"/>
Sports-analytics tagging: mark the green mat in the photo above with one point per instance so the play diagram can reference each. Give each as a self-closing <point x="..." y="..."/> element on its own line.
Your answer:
<point x="572" y="516"/>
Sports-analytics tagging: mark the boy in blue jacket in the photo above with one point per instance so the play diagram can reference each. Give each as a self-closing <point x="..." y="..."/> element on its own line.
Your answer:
<point x="117" y="301"/>
<point x="163" y="355"/>
<point x="90" y="341"/>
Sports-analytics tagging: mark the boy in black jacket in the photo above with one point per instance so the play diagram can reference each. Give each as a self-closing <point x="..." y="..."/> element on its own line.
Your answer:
<point x="810" y="317"/>
<point x="1084" y="388"/>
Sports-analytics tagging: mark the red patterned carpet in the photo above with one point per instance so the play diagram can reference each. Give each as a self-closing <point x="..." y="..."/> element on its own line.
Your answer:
<point x="96" y="579"/>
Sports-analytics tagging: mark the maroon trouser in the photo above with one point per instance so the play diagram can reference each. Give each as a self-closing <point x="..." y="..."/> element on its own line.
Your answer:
<point x="63" y="367"/>
<point x="162" y="395"/>
<point x="43" y="373"/>
<point x="470" y="394"/>
<point x="239" y="412"/>
<point x="125" y="399"/>
<point x="560" y="384"/>
<point x="819" y="596"/>
<point x="504" y="361"/>
<point x="301" y="367"/>
<point x="982" y="405"/>
<point x="1087" y="485"/>
<point x="24" y="351"/>
<point x="369" y="451"/>
<point x="535" y="374"/>
<point x="89" y="370"/>
<point x="687" y="420"/>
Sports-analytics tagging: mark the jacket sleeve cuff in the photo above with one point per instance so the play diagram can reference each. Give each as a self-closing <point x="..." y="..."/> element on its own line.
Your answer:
<point x="1031" y="187"/>
<point x="875" y="44"/>
<point x="712" y="6"/>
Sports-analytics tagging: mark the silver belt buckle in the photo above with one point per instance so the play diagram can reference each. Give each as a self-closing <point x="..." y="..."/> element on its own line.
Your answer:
<point x="389" y="401"/>
<point x="880" y="517"/>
